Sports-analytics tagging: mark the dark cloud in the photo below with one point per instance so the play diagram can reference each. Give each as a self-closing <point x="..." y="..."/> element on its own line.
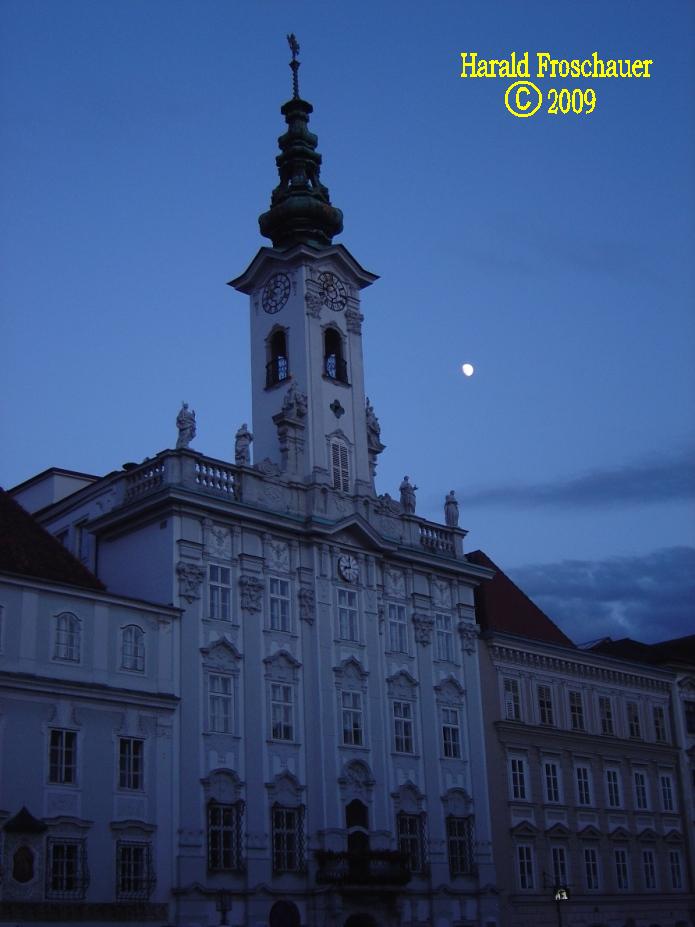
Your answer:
<point x="655" y="480"/>
<point x="648" y="598"/>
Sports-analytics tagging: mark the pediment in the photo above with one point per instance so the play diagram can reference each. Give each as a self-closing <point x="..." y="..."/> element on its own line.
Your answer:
<point x="351" y="668"/>
<point x="524" y="829"/>
<point x="221" y="652"/>
<point x="648" y="834"/>
<point x="285" y="789"/>
<point x="589" y="832"/>
<point x="687" y="685"/>
<point x="619" y="833"/>
<point x="354" y="531"/>
<point x="558" y="829"/>
<point x="402" y="683"/>
<point x="450" y="688"/>
<point x="282" y="665"/>
<point x="673" y="836"/>
<point x="458" y="802"/>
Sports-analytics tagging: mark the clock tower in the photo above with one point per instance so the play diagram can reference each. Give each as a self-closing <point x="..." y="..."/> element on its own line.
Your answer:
<point x="310" y="413"/>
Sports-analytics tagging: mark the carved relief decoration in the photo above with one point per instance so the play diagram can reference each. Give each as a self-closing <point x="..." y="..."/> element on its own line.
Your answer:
<point x="424" y="625"/>
<point x="218" y="540"/>
<point x="441" y="593"/>
<point x="251" y="593"/>
<point x="394" y="582"/>
<point x="278" y="556"/>
<point x="468" y="635"/>
<point x="307" y="604"/>
<point x="402" y="685"/>
<point x="190" y="577"/>
<point x="356" y="780"/>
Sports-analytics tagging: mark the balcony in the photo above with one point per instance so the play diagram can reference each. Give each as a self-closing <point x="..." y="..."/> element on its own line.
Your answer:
<point x="380" y="868"/>
<point x="276" y="371"/>
<point x="335" y="368"/>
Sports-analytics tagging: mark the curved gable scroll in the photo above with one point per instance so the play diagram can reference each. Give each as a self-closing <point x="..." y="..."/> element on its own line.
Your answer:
<point x="402" y="685"/>
<point x="282" y="666"/>
<point x="221" y="654"/>
<point x="408" y="798"/>
<point x="223" y="786"/>
<point x="350" y="670"/>
<point x="356" y="781"/>
<point x="458" y="803"/>
<point x="285" y="789"/>
<point x="450" y="689"/>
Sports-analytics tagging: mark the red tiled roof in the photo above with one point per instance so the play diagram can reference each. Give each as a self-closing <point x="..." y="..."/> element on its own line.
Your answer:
<point x="501" y="606"/>
<point x="28" y="549"/>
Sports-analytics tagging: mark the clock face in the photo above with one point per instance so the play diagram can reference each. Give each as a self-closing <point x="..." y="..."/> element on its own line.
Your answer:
<point x="276" y="293"/>
<point x="348" y="567"/>
<point x="333" y="292"/>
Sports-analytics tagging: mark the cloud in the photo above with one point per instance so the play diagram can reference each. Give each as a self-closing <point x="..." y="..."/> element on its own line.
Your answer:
<point x="655" y="480"/>
<point x="648" y="598"/>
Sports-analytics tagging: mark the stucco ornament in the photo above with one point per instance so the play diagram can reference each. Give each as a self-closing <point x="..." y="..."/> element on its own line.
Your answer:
<point x="423" y="628"/>
<point x="468" y="635"/>
<point x="307" y="604"/>
<point x="251" y="593"/>
<point x="295" y="403"/>
<point x="190" y="577"/>
<point x="185" y="422"/>
<point x="354" y="319"/>
<point x="242" y="446"/>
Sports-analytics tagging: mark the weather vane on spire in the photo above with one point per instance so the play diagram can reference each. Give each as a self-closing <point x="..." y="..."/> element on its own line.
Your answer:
<point x="294" y="64"/>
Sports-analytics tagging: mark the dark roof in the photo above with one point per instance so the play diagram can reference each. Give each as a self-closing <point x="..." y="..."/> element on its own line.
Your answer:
<point x="678" y="650"/>
<point x="28" y="549"/>
<point x="501" y="606"/>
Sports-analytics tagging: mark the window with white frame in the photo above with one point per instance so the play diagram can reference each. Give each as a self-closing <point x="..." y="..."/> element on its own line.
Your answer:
<point x="675" y="869"/>
<point x="460" y="843"/>
<point x="613" y="788"/>
<point x="353" y="727"/>
<point x="667" y="798"/>
<point x="221" y="703"/>
<point x="451" y="735"/>
<point x="591" y="870"/>
<point x="576" y="703"/>
<point x="517" y="777"/>
<point x="134" y="871"/>
<point x="545" y="705"/>
<point x="62" y="757"/>
<point x="398" y="628"/>
<point x="411" y="842"/>
<point x="131" y="763"/>
<point x="403" y="727"/>
<point x="288" y="839"/>
<point x="225" y="836"/>
<point x="524" y="867"/>
<point x="552" y="781"/>
<point x="348" y="628"/>
<point x="279" y="595"/>
<point x="66" y="871"/>
<point x="512" y="700"/>
<point x="559" y="857"/>
<point x="641" y="793"/>
<point x="622" y="870"/>
<point x="605" y="713"/>
<point x="282" y="711"/>
<point x="220" y="592"/>
<point x="649" y="869"/>
<point x="583" y="781"/>
<point x="340" y="465"/>
<point x="633" y="722"/>
<point x="444" y="629"/>
<point x="659" y="717"/>
<point x="68" y="633"/>
<point x="133" y="649"/>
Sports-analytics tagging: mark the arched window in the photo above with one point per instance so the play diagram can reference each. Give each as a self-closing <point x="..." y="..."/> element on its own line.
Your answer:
<point x="334" y="365"/>
<point x="340" y="465"/>
<point x="67" y="637"/>
<point x="133" y="648"/>
<point x="278" y="366"/>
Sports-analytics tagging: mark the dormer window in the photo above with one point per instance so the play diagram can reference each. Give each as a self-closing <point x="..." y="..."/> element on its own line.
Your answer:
<point x="334" y="365"/>
<point x="278" y="367"/>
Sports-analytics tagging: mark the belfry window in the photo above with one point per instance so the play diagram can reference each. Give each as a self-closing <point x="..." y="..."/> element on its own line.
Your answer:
<point x="340" y="465"/>
<point x="278" y="367"/>
<point x="334" y="365"/>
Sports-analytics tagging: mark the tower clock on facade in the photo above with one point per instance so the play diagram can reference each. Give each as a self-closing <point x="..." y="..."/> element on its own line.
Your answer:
<point x="348" y="568"/>
<point x="276" y="293"/>
<point x="333" y="292"/>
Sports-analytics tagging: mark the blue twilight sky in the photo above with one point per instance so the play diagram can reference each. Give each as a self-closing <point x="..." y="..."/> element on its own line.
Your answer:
<point x="555" y="253"/>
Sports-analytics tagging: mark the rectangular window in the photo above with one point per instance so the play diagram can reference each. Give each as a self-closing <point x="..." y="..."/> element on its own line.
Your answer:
<point x="613" y="788"/>
<point x="445" y="636"/>
<point x="398" y="629"/>
<point x="279" y="604"/>
<point x="66" y="870"/>
<point x="689" y="711"/>
<point x="459" y="838"/>
<point x="583" y="785"/>
<point x="347" y="615"/>
<point x="281" y="712"/>
<point x="552" y="784"/>
<point x="224" y="837"/>
<point x="221" y="691"/>
<point x="659" y="716"/>
<point x="134" y="872"/>
<point x="512" y="700"/>
<point x="410" y="840"/>
<point x="591" y="869"/>
<point x="131" y="754"/>
<point x="605" y="712"/>
<point x="641" y="797"/>
<point x="622" y="872"/>
<point x="649" y="869"/>
<point x="666" y="785"/>
<point x="524" y="864"/>
<point x="450" y="733"/>
<point x="220" y="592"/>
<point x="633" y="722"/>
<point x="576" y="711"/>
<point x="288" y="839"/>
<point x="559" y="855"/>
<point x="351" y="703"/>
<point x="545" y="705"/>
<point x="675" y="869"/>
<point x="518" y="778"/>
<point x="62" y="757"/>
<point x="403" y="727"/>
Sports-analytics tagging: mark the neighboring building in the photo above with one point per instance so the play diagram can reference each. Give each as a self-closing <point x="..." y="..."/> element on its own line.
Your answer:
<point x="88" y="738"/>
<point x="584" y="775"/>
<point x="332" y="765"/>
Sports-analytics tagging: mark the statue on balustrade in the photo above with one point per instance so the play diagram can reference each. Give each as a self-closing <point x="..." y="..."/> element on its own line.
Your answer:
<point x="451" y="510"/>
<point x="242" y="446"/>
<point x="185" y="422"/>
<point x="408" y="496"/>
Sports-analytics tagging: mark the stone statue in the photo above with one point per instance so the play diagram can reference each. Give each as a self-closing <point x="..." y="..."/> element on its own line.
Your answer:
<point x="451" y="510"/>
<point x="407" y="496"/>
<point x="185" y="422"/>
<point x="373" y="430"/>
<point x="242" y="446"/>
<point x="294" y="403"/>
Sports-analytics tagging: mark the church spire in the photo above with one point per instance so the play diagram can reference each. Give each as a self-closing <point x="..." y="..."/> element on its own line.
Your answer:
<point x="300" y="207"/>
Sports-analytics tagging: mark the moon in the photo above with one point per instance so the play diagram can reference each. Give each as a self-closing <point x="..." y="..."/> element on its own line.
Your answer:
<point x="467" y="370"/>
